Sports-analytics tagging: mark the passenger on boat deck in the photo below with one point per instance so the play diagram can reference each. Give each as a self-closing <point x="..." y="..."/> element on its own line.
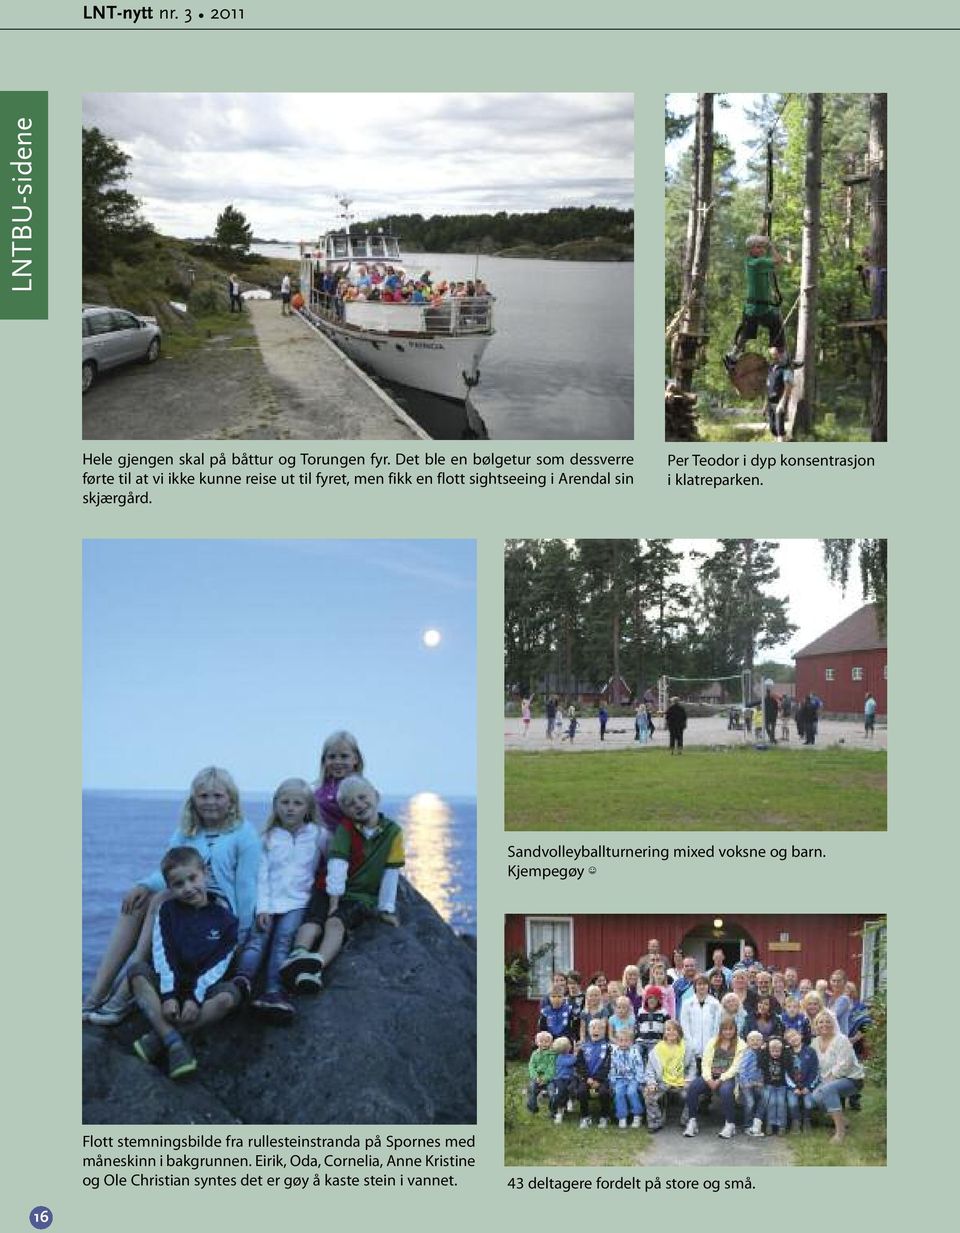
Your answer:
<point x="363" y="277"/>
<point x="425" y="279"/>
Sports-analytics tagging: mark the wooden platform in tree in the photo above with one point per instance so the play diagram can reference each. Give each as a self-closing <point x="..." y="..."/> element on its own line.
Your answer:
<point x="869" y="323"/>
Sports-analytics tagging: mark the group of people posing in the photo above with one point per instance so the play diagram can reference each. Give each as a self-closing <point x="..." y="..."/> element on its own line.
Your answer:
<point x="768" y="1043"/>
<point x="388" y="285"/>
<point x="232" y="917"/>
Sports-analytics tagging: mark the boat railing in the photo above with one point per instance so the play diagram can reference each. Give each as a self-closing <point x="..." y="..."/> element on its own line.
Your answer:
<point x="471" y="314"/>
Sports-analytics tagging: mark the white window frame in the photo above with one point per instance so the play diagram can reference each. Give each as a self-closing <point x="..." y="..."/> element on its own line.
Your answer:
<point x="856" y="674"/>
<point x="550" y="962"/>
<point x="873" y="967"/>
<point x="829" y="674"/>
<point x="884" y="671"/>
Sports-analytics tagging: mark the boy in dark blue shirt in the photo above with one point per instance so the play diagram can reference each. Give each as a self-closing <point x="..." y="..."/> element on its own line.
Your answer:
<point x="194" y="938"/>
<point x="557" y="1017"/>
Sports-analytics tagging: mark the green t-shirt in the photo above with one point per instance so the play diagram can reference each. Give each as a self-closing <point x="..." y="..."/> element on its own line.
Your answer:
<point x="760" y="285"/>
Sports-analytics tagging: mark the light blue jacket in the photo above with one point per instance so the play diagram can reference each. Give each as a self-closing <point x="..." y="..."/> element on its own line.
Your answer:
<point x="234" y="859"/>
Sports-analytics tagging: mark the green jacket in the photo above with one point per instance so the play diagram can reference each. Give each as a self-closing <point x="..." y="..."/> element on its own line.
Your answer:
<point x="542" y="1065"/>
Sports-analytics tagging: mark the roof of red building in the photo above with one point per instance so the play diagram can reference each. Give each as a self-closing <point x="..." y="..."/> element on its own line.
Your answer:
<point x="858" y="632"/>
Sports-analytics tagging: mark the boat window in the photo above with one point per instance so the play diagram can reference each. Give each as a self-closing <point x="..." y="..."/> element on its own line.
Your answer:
<point x="340" y="246"/>
<point x="376" y="246"/>
<point x="393" y="247"/>
<point x="358" y="246"/>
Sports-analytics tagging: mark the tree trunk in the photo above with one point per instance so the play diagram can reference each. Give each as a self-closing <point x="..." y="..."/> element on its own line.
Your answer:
<point x="693" y="320"/>
<point x="878" y="264"/>
<point x="800" y="418"/>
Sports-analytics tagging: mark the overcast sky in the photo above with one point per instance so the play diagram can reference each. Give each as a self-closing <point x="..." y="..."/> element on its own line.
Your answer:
<point x="248" y="653"/>
<point x="282" y="158"/>
<point x="730" y="121"/>
<point x="814" y="603"/>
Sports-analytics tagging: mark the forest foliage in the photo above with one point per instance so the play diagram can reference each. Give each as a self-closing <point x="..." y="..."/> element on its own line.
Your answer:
<point x="580" y="613"/>
<point x="739" y="196"/>
<point x="492" y="233"/>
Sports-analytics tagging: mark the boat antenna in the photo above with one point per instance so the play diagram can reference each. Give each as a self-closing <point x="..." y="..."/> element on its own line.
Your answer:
<point x="345" y="202"/>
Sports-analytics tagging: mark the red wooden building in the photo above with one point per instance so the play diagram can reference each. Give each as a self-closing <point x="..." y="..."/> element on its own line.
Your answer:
<point x="845" y="664"/>
<point x="814" y="944"/>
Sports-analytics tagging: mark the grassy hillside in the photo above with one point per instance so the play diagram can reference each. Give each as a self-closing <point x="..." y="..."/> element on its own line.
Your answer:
<point x="166" y="269"/>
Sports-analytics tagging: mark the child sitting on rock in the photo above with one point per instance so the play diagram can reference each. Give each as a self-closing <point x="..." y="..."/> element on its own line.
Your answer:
<point x="194" y="936"/>
<point x="359" y="883"/>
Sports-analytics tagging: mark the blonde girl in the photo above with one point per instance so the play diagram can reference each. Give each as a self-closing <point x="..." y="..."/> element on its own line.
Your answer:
<point x="339" y="757"/>
<point x="292" y="844"/>
<point x="212" y="822"/>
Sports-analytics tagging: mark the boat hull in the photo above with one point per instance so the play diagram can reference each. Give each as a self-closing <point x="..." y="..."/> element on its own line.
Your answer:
<point x="447" y="365"/>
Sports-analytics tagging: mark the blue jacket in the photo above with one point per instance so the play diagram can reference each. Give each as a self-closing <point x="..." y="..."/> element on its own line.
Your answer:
<point x="593" y="1060"/>
<point x="566" y="1066"/>
<point x="233" y="860"/>
<point x="749" y="1071"/>
<point x="192" y="948"/>
<point x="804" y="1069"/>
<point x="557" y="1020"/>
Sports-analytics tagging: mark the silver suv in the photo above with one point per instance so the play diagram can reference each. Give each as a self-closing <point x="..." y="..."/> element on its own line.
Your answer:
<point x="113" y="336"/>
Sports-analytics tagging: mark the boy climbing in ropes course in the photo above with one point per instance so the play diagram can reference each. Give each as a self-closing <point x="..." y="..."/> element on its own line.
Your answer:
<point x="762" y="304"/>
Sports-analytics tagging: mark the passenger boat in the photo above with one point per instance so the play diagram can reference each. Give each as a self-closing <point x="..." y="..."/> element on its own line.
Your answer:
<point x="433" y="347"/>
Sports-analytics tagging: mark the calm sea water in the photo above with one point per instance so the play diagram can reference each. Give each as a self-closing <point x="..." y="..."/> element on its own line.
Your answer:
<point x="560" y="365"/>
<point x="126" y="833"/>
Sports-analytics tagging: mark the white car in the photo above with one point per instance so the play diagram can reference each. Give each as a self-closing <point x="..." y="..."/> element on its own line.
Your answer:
<point x="113" y="336"/>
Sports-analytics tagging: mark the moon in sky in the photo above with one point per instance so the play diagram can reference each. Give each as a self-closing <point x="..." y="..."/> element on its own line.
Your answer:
<point x="431" y="638"/>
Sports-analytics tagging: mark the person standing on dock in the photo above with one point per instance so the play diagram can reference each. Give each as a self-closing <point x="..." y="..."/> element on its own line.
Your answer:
<point x="285" y="295"/>
<point x="233" y="287"/>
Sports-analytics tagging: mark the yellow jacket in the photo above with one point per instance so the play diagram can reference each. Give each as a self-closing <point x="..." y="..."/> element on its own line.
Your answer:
<point x="706" y="1065"/>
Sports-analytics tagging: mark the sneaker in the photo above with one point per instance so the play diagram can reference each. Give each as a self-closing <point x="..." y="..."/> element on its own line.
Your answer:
<point x="148" y="1048"/>
<point x="180" y="1060"/>
<point x="691" y="1128"/>
<point x="558" y="1117"/>
<point x="729" y="1130"/>
<point x="273" y="1007"/>
<point x="389" y="918"/>
<point x="585" y="1123"/>
<point x="755" y="1129"/>
<point x="636" y="1123"/>
<point x="296" y="964"/>
<point x="310" y="981"/>
<point x="242" y="985"/>
<point x="684" y="1115"/>
<point x="118" y="1006"/>
<point x="571" y="1107"/>
<point x="603" y="1123"/>
<point x="622" y="1123"/>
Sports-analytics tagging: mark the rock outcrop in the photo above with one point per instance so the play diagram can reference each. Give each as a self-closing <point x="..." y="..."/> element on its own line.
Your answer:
<point x="390" y="1041"/>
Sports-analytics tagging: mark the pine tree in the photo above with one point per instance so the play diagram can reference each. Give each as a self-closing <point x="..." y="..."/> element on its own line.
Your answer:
<point x="233" y="234"/>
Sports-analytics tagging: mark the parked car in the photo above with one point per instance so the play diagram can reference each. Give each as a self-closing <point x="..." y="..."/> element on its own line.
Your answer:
<point x="113" y="336"/>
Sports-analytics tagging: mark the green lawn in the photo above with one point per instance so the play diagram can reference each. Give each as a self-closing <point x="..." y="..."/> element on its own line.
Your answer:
<point x="712" y="789"/>
<point x="534" y="1139"/>
<point x="865" y="1144"/>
